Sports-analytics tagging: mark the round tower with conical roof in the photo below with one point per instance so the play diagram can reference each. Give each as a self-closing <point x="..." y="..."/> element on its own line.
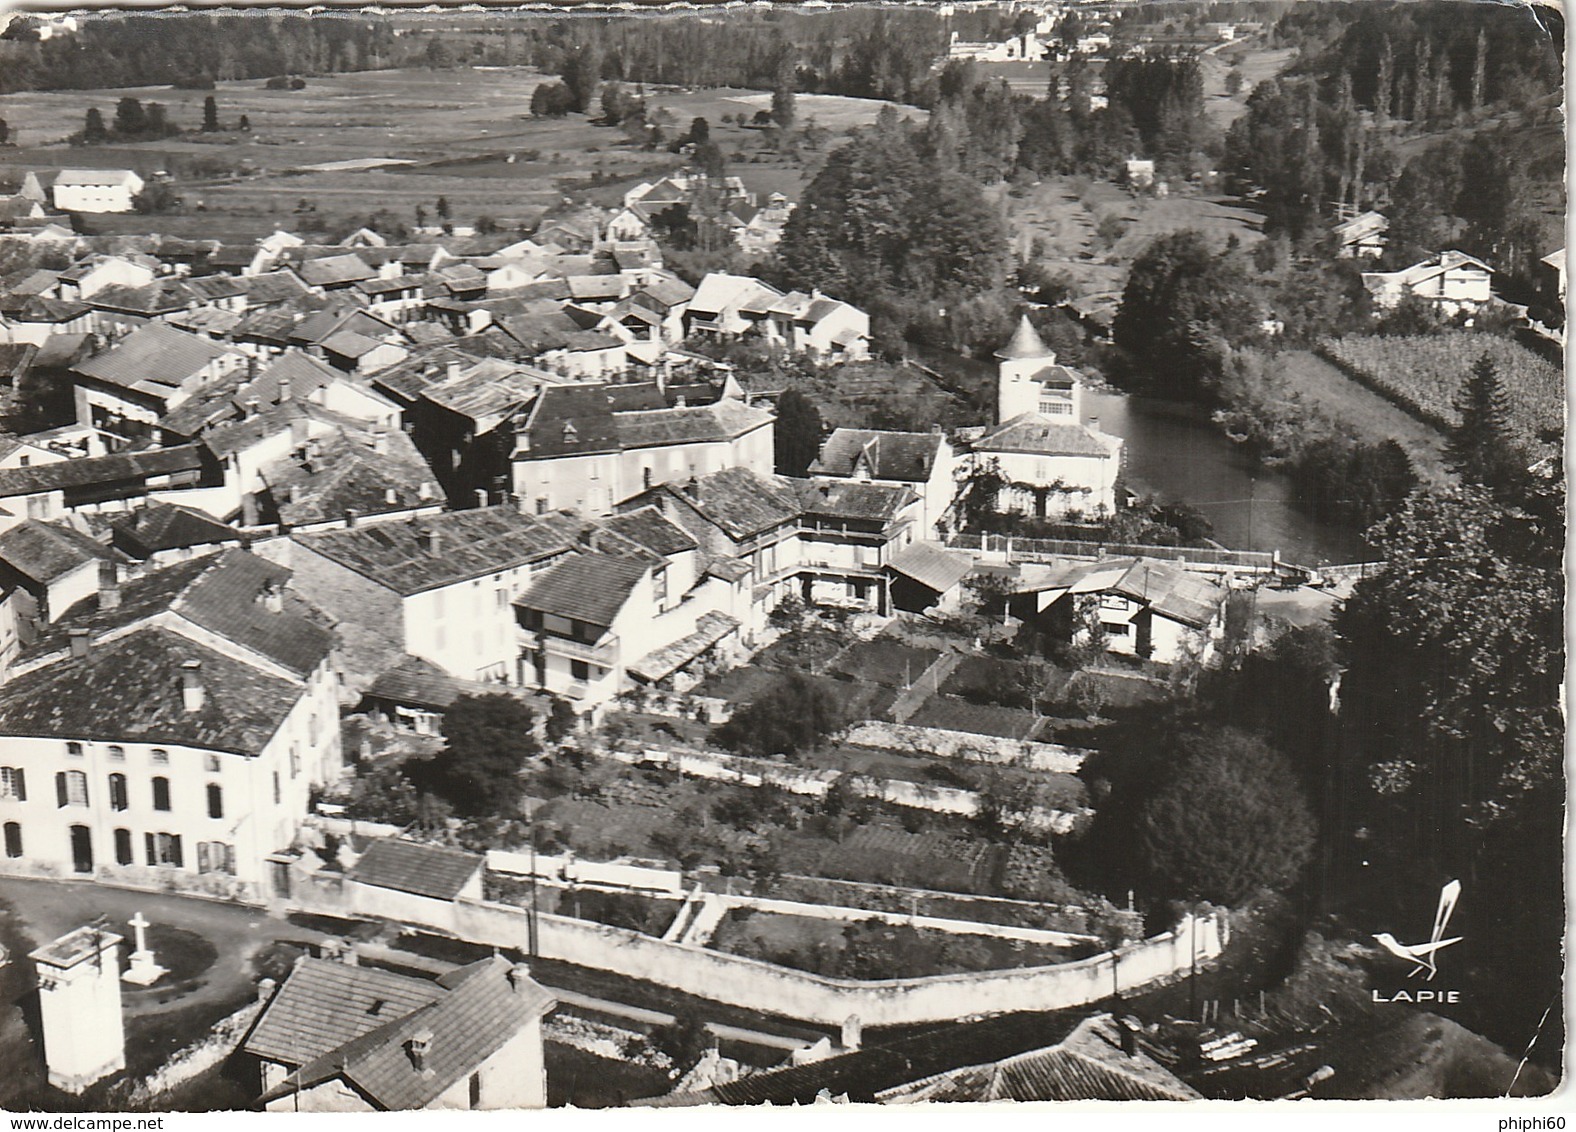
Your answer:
<point x="1022" y="380"/>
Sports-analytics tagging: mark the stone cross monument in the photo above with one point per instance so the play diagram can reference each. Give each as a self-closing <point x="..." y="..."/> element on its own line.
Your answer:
<point x="143" y="969"/>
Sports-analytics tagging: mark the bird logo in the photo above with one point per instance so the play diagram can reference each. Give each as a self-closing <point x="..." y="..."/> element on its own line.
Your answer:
<point x="1426" y="955"/>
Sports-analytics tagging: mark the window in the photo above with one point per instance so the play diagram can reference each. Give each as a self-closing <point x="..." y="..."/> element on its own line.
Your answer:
<point x="74" y="750"/>
<point x="123" y="847"/>
<point x="71" y="788"/>
<point x="645" y="477"/>
<point x="580" y="670"/>
<point x="215" y="857"/>
<point x="161" y="756"/>
<point x="118" y="799"/>
<point x="276" y="788"/>
<point x="1117" y="629"/>
<point x="13" y="839"/>
<point x="541" y="505"/>
<point x="215" y="800"/>
<point x="161" y="794"/>
<point x="117" y="754"/>
<point x="163" y="848"/>
<point x="13" y="783"/>
<point x="659" y="583"/>
<point x="211" y="763"/>
<point x="295" y="761"/>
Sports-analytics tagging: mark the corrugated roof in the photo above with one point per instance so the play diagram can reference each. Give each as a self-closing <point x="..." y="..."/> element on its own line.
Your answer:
<point x="932" y="565"/>
<point x="411" y="866"/>
<point x="129" y="690"/>
<point x="325" y="1003"/>
<point x="585" y="587"/>
<point x="470" y="543"/>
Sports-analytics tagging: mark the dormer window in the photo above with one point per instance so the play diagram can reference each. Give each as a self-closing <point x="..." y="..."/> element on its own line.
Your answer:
<point x="571" y="435"/>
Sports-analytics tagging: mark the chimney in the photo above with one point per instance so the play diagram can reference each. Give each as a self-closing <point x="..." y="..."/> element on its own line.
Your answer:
<point x="108" y="586"/>
<point x="265" y="989"/>
<point x="1124" y="1029"/>
<point x="295" y="493"/>
<point x="390" y="496"/>
<point x="520" y="978"/>
<point x="81" y="641"/>
<point x="852" y="1032"/>
<point x="251" y="367"/>
<point x="273" y="599"/>
<point x="298" y="433"/>
<point x="430" y="541"/>
<point x="1094" y="423"/>
<point x="451" y="372"/>
<point x="284" y="390"/>
<point x="418" y="1047"/>
<point x="251" y="407"/>
<point x="481" y="497"/>
<point x="249" y="510"/>
<point x="424" y="492"/>
<point x="692" y="488"/>
<point x="192" y="695"/>
<point x="350" y="517"/>
<point x="380" y="441"/>
<point x="678" y="402"/>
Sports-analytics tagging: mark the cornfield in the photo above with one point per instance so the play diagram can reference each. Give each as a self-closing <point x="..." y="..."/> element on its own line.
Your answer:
<point x="1425" y="374"/>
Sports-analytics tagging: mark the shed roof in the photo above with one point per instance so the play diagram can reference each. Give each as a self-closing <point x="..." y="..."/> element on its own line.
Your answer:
<point x="411" y="866"/>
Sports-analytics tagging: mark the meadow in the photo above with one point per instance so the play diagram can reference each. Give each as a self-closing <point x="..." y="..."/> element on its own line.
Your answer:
<point x="467" y="135"/>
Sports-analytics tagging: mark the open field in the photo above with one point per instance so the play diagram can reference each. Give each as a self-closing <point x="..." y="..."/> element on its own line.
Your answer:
<point x="1254" y="60"/>
<point x="466" y="135"/>
<point x="1063" y="215"/>
<point x="1369" y="416"/>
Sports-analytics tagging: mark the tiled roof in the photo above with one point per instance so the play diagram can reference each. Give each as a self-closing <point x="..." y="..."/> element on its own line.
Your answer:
<point x="848" y="499"/>
<point x="569" y="420"/>
<point x="719" y="290"/>
<point x="907" y="456"/>
<point x="1041" y="436"/>
<point x="168" y="526"/>
<point x="221" y="593"/>
<point x="325" y="1003"/>
<point x="349" y="344"/>
<point x="725" y="420"/>
<point x="1089" y="1065"/>
<point x="129" y="689"/>
<point x="153" y="358"/>
<point x="633" y="396"/>
<point x="45" y="552"/>
<point x="272" y="287"/>
<point x="585" y="587"/>
<point x="349" y="474"/>
<point x="877" y="1068"/>
<point x="650" y="529"/>
<point x="161" y="297"/>
<point x="931" y="565"/>
<point x="114" y="468"/>
<point x="483" y="1009"/>
<point x="740" y="501"/>
<point x="41" y="308"/>
<point x="471" y="543"/>
<point x="411" y="866"/>
<point x="420" y="682"/>
<point x="709" y="629"/>
<point x="331" y="270"/>
<point x="94" y="177"/>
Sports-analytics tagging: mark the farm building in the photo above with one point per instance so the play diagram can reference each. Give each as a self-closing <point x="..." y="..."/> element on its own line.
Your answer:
<point x="96" y="190"/>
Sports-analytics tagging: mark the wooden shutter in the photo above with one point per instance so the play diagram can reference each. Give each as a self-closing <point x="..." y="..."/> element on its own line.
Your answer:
<point x="60" y="789"/>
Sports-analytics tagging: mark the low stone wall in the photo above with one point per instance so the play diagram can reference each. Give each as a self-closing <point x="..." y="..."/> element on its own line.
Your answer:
<point x="967" y="745"/>
<point x="756" y="985"/>
<point x="202" y="1055"/>
<point x="572" y="870"/>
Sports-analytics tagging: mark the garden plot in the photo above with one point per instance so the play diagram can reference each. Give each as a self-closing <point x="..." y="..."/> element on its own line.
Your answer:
<point x="884" y="661"/>
<point x="953" y="714"/>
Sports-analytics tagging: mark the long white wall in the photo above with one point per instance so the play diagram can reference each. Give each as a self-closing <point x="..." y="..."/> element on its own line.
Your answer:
<point x="771" y="989"/>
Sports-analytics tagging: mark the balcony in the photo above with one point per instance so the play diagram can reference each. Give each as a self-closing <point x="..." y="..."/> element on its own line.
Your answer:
<point x="603" y="654"/>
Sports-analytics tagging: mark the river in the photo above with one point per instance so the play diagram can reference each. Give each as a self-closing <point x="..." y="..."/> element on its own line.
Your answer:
<point x="1174" y="451"/>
